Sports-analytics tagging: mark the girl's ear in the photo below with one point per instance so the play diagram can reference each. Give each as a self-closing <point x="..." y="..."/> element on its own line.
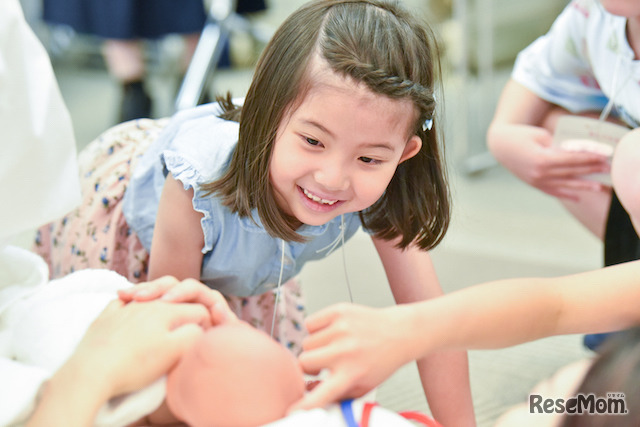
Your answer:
<point x="411" y="149"/>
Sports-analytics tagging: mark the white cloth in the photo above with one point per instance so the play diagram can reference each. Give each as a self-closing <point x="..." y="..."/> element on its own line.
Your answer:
<point x="38" y="168"/>
<point x="41" y="324"/>
<point x="583" y="61"/>
<point x="333" y="416"/>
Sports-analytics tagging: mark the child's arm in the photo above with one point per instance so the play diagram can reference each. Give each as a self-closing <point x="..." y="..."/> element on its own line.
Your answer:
<point x="444" y="376"/>
<point x="176" y="247"/>
<point x="153" y="337"/>
<point x="520" y="137"/>
<point x="364" y="346"/>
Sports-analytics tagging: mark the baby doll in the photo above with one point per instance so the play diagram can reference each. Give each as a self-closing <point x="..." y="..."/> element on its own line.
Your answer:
<point x="236" y="376"/>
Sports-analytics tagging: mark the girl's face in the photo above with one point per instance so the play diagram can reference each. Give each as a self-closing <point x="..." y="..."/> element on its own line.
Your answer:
<point x="337" y="152"/>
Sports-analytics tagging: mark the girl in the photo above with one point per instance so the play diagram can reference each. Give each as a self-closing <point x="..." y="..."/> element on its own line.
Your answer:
<point x="335" y="132"/>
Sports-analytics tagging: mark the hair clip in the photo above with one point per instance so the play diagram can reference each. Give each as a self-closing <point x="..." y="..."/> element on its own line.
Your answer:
<point x="428" y="124"/>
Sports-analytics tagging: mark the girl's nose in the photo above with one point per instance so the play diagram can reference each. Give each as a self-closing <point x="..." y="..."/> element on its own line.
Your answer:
<point x="332" y="177"/>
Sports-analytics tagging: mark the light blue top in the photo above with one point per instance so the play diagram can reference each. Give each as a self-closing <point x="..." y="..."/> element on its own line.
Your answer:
<point x="240" y="257"/>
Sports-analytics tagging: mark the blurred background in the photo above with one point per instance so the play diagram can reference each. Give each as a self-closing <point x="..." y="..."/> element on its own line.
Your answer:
<point x="501" y="227"/>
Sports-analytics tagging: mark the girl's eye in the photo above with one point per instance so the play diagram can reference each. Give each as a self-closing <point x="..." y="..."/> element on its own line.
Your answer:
<point x="313" y="142"/>
<point x="369" y="160"/>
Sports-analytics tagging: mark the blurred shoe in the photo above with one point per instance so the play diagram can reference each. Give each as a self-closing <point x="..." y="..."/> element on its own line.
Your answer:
<point x="136" y="103"/>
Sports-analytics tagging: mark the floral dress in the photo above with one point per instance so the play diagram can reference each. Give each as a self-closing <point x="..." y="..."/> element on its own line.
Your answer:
<point x="96" y="234"/>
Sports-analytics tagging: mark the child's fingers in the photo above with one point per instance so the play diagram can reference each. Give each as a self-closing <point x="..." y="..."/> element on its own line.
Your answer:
<point x="193" y="291"/>
<point x="328" y="391"/>
<point x="323" y="318"/>
<point x="149" y="290"/>
<point x="318" y="339"/>
<point x="185" y="314"/>
<point x="221" y="313"/>
<point x="312" y="362"/>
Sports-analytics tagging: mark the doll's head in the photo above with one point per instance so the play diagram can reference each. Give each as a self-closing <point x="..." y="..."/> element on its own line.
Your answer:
<point x="374" y="45"/>
<point x="236" y="376"/>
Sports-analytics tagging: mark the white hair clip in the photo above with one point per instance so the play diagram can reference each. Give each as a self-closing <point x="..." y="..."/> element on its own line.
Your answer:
<point x="427" y="125"/>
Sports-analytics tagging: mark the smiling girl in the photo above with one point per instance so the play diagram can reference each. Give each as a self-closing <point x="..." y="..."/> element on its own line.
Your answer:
<point x="335" y="133"/>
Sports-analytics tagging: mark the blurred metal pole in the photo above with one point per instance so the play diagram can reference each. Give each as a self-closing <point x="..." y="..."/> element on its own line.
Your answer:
<point x="206" y="56"/>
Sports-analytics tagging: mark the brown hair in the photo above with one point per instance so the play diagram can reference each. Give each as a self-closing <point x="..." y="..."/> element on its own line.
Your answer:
<point x="616" y="370"/>
<point x="373" y="42"/>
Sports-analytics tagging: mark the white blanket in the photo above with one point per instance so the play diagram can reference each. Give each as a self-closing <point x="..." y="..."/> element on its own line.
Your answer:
<point x="41" y="323"/>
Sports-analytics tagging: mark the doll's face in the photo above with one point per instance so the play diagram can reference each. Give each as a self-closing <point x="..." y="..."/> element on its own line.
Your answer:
<point x="234" y="376"/>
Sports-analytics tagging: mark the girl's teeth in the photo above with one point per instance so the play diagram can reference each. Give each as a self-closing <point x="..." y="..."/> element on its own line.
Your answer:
<point x="318" y="199"/>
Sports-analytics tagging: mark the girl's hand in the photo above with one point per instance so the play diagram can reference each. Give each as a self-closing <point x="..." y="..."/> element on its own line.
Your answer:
<point x="527" y="151"/>
<point x="360" y="346"/>
<point x="169" y="289"/>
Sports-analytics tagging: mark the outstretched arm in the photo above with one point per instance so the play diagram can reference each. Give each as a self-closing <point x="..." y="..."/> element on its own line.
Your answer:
<point x="368" y="345"/>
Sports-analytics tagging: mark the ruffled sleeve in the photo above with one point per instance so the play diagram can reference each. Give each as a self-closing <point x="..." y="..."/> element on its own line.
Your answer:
<point x="199" y="154"/>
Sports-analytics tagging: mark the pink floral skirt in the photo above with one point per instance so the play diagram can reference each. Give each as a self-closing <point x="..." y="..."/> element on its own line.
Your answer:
<point x="96" y="234"/>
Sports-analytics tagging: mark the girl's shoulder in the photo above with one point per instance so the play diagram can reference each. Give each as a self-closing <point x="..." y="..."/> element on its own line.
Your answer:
<point x="199" y="139"/>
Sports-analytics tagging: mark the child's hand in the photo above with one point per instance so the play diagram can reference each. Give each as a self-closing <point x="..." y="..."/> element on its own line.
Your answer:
<point x="527" y="151"/>
<point x="169" y="289"/>
<point x="358" y="345"/>
<point x="153" y="337"/>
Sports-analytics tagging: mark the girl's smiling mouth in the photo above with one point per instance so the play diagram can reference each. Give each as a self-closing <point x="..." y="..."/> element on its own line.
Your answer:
<point x="318" y="199"/>
<point x="316" y="203"/>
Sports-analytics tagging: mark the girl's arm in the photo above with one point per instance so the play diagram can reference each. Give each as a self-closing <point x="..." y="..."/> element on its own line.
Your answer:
<point x="444" y="375"/>
<point x="366" y="345"/>
<point x="513" y="311"/>
<point x="176" y="248"/>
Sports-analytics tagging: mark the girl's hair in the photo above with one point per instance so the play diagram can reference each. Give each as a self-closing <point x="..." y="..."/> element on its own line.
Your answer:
<point x="375" y="43"/>
<point x="617" y="370"/>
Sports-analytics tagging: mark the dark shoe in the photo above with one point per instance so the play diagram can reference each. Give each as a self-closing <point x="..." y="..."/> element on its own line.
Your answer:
<point x="136" y="103"/>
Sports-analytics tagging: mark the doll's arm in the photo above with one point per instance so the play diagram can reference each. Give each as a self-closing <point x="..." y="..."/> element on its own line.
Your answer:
<point x="520" y="137"/>
<point x="177" y="237"/>
<point x="154" y="335"/>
